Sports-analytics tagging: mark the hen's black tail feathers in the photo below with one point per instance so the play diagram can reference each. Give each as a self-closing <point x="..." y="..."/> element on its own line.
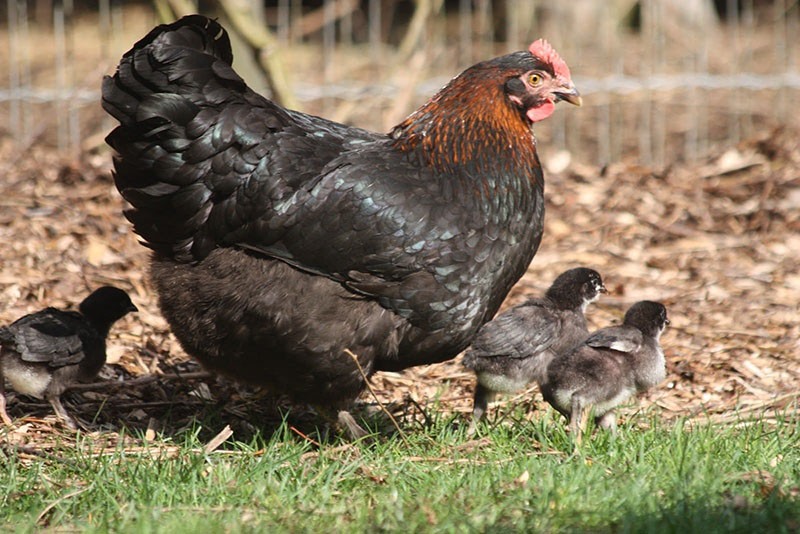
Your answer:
<point x="213" y="39"/>
<point x="175" y="58"/>
<point x="200" y="156"/>
<point x="161" y="86"/>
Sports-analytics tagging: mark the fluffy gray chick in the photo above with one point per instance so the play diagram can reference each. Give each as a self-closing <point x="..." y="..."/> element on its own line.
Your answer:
<point x="613" y="364"/>
<point x="515" y="348"/>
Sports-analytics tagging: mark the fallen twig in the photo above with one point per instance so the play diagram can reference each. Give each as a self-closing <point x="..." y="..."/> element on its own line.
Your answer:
<point x="57" y="502"/>
<point x="218" y="440"/>
<point x="374" y="395"/>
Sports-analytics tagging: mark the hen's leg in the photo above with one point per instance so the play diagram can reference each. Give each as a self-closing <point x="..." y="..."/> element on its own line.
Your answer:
<point x="345" y="421"/>
<point x="339" y="421"/>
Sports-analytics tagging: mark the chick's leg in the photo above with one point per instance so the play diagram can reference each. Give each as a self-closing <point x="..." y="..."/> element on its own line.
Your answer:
<point x="578" y="419"/>
<point x="483" y="396"/>
<point x="608" y="421"/>
<point x="3" y="414"/>
<point x="61" y="412"/>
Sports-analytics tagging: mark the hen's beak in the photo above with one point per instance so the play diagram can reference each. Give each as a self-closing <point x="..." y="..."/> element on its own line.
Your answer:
<point x="569" y="94"/>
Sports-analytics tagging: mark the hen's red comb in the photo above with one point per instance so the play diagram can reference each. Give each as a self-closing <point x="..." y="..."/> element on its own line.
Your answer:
<point x="547" y="54"/>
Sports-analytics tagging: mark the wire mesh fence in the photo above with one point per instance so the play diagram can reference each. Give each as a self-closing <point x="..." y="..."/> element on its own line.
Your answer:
<point x="661" y="79"/>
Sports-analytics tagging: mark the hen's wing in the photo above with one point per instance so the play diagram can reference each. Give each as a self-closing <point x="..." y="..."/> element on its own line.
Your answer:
<point x="585" y="367"/>
<point x="618" y="338"/>
<point x="387" y="229"/>
<point x="519" y="333"/>
<point x="50" y="336"/>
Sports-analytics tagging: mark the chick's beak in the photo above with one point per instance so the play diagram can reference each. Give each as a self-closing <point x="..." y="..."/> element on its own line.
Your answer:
<point x="568" y="93"/>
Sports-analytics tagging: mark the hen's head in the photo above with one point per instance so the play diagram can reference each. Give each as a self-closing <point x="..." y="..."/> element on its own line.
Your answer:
<point x="544" y="81"/>
<point x="487" y="109"/>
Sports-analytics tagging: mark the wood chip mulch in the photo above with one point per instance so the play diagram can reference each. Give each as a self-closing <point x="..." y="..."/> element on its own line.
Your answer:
<point x="718" y="241"/>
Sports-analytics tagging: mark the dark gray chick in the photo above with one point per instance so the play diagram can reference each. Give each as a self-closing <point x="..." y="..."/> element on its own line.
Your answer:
<point x="515" y="348"/>
<point x="613" y="364"/>
<point x="44" y="353"/>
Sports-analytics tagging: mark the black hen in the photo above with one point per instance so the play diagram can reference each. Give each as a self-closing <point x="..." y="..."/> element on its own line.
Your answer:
<point x="281" y="239"/>
<point x="613" y="364"/>
<point x="514" y="348"/>
<point x="44" y="353"/>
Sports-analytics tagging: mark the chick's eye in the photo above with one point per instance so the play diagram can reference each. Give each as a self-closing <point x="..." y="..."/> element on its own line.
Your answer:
<point x="535" y="79"/>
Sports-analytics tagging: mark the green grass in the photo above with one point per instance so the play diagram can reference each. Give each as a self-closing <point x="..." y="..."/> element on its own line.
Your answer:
<point x="652" y="477"/>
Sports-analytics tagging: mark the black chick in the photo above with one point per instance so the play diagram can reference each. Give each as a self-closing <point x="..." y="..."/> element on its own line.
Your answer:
<point x="515" y="348"/>
<point x="612" y="364"/>
<point x="44" y="353"/>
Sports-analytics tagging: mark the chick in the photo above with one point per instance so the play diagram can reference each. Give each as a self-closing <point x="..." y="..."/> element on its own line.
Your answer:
<point x="612" y="364"/>
<point x="515" y="348"/>
<point x="44" y="353"/>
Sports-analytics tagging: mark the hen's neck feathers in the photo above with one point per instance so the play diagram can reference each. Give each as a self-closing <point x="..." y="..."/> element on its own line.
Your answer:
<point x="470" y="125"/>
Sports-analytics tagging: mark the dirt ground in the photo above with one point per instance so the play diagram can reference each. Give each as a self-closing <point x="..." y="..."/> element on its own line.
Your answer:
<point x="718" y="242"/>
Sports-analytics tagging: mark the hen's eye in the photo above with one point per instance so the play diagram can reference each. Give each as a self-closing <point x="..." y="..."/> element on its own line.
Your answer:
<point x="535" y="79"/>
